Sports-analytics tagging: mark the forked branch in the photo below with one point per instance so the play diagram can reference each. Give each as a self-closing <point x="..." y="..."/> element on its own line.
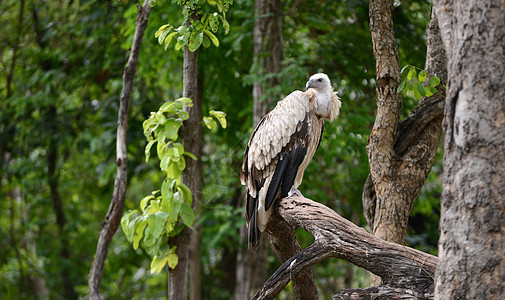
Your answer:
<point x="404" y="270"/>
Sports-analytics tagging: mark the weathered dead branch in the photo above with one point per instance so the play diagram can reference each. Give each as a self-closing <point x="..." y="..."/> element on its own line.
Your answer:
<point x="406" y="271"/>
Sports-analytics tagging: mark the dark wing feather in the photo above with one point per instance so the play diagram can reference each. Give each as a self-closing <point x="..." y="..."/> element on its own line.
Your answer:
<point x="277" y="179"/>
<point x="296" y="157"/>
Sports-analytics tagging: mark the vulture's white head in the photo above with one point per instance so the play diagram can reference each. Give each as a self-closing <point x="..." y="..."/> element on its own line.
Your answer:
<point x="320" y="82"/>
<point x="328" y="103"/>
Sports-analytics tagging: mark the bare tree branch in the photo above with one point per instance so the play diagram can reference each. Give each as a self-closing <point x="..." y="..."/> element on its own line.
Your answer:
<point x="113" y="217"/>
<point x="399" y="266"/>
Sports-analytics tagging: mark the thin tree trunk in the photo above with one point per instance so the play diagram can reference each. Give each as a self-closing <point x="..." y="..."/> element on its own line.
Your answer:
<point x="400" y="154"/>
<point x="191" y="136"/>
<point x="472" y="224"/>
<point x="52" y="178"/>
<point x="14" y="196"/>
<point x="15" y="47"/>
<point x="115" y="212"/>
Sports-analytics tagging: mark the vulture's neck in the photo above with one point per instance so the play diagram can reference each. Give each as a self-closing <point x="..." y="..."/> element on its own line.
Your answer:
<point x="323" y="98"/>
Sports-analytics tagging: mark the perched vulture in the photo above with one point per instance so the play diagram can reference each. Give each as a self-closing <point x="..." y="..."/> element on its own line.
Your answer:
<point x="281" y="147"/>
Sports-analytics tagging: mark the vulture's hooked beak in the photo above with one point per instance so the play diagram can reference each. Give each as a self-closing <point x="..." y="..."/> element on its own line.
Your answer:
<point x="309" y="84"/>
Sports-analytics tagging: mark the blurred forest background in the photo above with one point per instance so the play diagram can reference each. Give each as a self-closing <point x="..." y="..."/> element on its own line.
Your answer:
<point x="61" y="66"/>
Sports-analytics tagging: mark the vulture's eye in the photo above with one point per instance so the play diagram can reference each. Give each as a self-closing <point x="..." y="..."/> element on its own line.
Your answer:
<point x="320" y="79"/>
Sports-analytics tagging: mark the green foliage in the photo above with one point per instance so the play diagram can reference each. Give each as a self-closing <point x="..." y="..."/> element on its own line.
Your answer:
<point x="201" y="21"/>
<point x="415" y="85"/>
<point x="162" y="212"/>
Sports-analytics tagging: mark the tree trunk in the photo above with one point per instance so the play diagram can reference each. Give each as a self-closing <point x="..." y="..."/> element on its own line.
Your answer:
<point x="390" y="218"/>
<point x="52" y="178"/>
<point x="115" y="212"/>
<point x="400" y="154"/>
<point x="191" y="136"/>
<point x="472" y="225"/>
<point x="267" y="54"/>
<point x="251" y="269"/>
<point x="15" y="47"/>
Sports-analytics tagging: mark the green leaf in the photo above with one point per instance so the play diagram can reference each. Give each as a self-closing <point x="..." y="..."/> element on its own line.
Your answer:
<point x="187" y="214"/>
<point x="149" y="240"/>
<point x="174" y="209"/>
<point x="410" y="86"/>
<point x="195" y="41"/>
<point x="125" y="220"/>
<point x="165" y="162"/>
<point x="191" y="155"/>
<point x="173" y="260"/>
<point x="157" y="223"/>
<point x="220" y="116"/>
<point x="168" y="39"/>
<point x="434" y="81"/>
<point x="181" y="163"/>
<point x="401" y="87"/>
<point x="188" y="102"/>
<point x="187" y="196"/>
<point x="209" y="122"/>
<point x="420" y="89"/>
<point x="154" y="207"/>
<point x="158" y="263"/>
<point x="212" y="37"/>
<point x="160" y="30"/>
<point x="432" y="91"/>
<point x="161" y="118"/>
<point x="226" y="25"/>
<point x="144" y="201"/>
<point x="148" y="149"/>
<point x="167" y="106"/>
<point x="167" y="189"/>
<point x="131" y="229"/>
<point x="404" y="68"/>
<point x="182" y="29"/>
<point x="139" y="232"/>
<point x="213" y="23"/>
<point x="412" y="73"/>
<point x="178" y="46"/>
<point x="206" y="41"/>
<point x="173" y="171"/>
<point x="172" y="128"/>
<point x="162" y="146"/>
<point x="422" y="76"/>
<point x="177" y="230"/>
<point x="162" y="33"/>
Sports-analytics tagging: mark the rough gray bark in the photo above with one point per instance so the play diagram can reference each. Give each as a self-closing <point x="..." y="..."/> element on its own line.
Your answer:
<point x="419" y="132"/>
<point x="472" y="224"/>
<point x="388" y="222"/>
<point x="401" y="268"/>
<point x="400" y="154"/>
<point x="115" y="212"/>
<point x="191" y="137"/>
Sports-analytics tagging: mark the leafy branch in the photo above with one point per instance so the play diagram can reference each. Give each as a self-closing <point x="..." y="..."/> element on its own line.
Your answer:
<point x="201" y="22"/>
<point x="167" y="211"/>
<point x="416" y="85"/>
